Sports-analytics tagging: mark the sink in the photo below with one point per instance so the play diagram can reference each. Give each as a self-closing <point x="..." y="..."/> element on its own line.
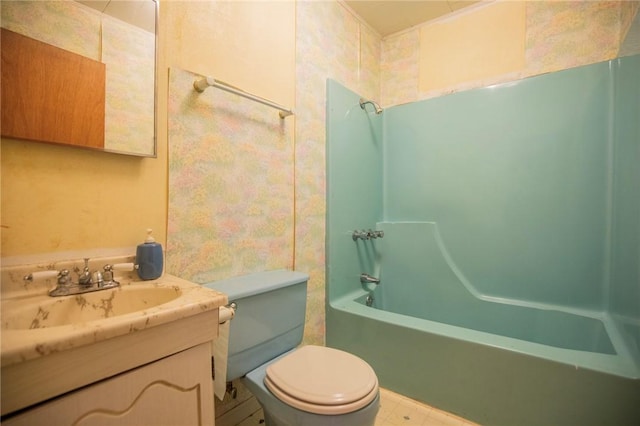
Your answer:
<point x="81" y="308"/>
<point x="54" y="345"/>
<point x="37" y="329"/>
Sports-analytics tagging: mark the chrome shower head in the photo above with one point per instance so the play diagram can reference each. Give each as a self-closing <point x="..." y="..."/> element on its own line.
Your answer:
<point x="364" y="101"/>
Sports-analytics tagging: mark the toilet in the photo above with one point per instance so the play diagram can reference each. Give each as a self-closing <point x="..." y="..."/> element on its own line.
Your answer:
<point x="310" y="385"/>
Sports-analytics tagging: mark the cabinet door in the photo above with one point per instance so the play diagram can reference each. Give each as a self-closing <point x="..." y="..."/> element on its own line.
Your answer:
<point x="176" y="390"/>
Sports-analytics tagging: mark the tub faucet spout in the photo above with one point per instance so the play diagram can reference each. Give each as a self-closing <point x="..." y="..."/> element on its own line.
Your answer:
<point x="366" y="278"/>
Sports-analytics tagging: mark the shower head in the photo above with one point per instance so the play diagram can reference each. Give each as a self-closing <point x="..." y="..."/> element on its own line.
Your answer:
<point x="364" y="101"/>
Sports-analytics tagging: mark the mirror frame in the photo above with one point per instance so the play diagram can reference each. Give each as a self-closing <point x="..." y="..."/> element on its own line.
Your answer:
<point x="154" y="154"/>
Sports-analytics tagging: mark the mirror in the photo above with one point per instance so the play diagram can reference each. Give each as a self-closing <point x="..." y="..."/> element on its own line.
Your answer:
<point x="120" y="36"/>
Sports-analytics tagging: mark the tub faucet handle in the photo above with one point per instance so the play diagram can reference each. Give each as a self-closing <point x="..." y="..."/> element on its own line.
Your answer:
<point x="375" y="234"/>
<point x="362" y="235"/>
<point x="366" y="235"/>
<point x="366" y="278"/>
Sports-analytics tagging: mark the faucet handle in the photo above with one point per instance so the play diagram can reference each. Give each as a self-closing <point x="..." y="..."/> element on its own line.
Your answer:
<point x="64" y="280"/>
<point x="366" y="278"/>
<point x="40" y="275"/>
<point x="108" y="276"/>
<point x="363" y="235"/>
<point x="63" y="277"/>
<point x="84" y="277"/>
<point x="112" y="267"/>
<point x="366" y="235"/>
<point x="127" y="267"/>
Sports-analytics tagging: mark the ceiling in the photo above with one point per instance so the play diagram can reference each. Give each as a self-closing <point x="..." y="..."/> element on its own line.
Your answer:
<point x="390" y="16"/>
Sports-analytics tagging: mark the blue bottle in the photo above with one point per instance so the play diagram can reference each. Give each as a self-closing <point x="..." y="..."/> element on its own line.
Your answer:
<point x="149" y="260"/>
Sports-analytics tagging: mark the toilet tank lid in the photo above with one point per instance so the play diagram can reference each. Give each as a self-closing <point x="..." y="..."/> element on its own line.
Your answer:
<point x="256" y="283"/>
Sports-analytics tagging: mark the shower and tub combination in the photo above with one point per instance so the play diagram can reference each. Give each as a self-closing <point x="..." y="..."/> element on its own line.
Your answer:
<point x="506" y="288"/>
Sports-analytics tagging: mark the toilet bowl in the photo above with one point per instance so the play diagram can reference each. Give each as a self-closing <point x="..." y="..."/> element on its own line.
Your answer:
<point x="310" y="385"/>
<point x="301" y="406"/>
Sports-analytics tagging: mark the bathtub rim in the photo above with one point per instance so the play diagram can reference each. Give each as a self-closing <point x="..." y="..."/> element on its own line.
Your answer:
<point x="621" y="364"/>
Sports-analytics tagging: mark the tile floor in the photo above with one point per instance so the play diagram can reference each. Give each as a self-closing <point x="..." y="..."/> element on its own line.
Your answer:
<point x="395" y="410"/>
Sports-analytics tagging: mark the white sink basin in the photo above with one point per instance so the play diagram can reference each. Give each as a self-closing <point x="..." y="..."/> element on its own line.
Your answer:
<point x="81" y="308"/>
<point x="35" y="325"/>
<point x="53" y="345"/>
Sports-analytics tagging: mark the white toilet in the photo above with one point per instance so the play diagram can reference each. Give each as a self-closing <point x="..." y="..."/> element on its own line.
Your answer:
<point x="311" y="385"/>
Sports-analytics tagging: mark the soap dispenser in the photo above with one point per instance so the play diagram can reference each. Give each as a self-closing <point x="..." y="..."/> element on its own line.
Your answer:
<point x="149" y="261"/>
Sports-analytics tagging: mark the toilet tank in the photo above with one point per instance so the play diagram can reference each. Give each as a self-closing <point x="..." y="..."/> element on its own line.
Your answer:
<point x="269" y="319"/>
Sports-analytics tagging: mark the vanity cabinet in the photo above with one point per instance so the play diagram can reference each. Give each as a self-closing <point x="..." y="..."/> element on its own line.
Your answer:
<point x="150" y="366"/>
<point x="176" y="390"/>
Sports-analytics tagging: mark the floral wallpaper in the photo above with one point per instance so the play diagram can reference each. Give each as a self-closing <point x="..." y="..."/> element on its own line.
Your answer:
<point x="231" y="184"/>
<point x="59" y="23"/>
<point x="331" y="42"/>
<point x="564" y="34"/>
<point x="243" y="197"/>
<point x="129" y="53"/>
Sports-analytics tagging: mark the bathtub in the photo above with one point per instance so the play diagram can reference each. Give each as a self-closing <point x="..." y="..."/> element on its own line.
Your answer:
<point x="488" y="359"/>
<point x="510" y="288"/>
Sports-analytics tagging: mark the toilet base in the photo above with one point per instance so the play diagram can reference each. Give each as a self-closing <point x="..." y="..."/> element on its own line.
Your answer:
<point x="277" y="413"/>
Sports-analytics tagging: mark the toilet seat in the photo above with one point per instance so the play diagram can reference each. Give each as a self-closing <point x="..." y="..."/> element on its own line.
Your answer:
<point x="322" y="380"/>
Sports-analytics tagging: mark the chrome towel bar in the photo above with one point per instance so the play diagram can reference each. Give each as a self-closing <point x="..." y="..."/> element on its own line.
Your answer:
<point x="201" y="84"/>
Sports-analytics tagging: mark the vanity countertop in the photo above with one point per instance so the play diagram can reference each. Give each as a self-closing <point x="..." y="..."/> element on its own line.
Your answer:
<point x="54" y="345"/>
<point x="25" y="311"/>
<point x="19" y="345"/>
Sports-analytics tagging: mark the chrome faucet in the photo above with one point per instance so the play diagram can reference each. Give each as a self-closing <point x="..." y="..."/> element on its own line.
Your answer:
<point x="366" y="235"/>
<point x="376" y="234"/>
<point x="366" y="278"/>
<point x="84" y="277"/>
<point x="87" y="281"/>
<point x="362" y="235"/>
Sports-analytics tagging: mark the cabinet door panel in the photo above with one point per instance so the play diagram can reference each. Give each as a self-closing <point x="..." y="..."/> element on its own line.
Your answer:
<point x="174" y="390"/>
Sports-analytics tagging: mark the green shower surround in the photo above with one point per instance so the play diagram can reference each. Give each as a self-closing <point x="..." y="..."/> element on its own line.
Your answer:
<point x="517" y="179"/>
<point x="512" y="225"/>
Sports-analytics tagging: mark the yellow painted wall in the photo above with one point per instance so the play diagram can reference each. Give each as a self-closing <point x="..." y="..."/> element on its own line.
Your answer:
<point x="60" y="199"/>
<point x="474" y="46"/>
<point x="249" y="44"/>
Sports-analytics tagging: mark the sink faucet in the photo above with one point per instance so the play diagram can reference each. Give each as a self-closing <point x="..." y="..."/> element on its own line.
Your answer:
<point x="84" y="277"/>
<point x="87" y="281"/>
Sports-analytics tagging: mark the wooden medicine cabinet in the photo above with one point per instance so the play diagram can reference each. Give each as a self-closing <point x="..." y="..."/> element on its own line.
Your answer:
<point x="80" y="73"/>
<point x="50" y="94"/>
